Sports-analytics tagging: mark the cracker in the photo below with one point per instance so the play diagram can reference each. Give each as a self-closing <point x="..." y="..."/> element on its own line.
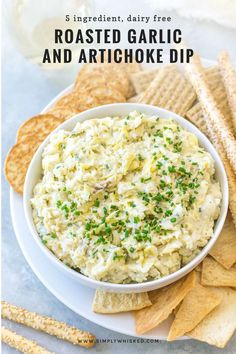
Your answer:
<point x="213" y="76"/>
<point x="41" y="126"/>
<point x="48" y="325"/>
<point x="229" y="78"/>
<point x="21" y="343"/>
<point x="103" y="95"/>
<point x="224" y="250"/>
<point x="194" y="307"/>
<point x="177" y="308"/>
<point x="90" y="80"/>
<point x="62" y="113"/>
<point x="213" y="274"/>
<point x="198" y="268"/>
<point x="196" y="111"/>
<point x="170" y="90"/>
<point x="89" y="98"/>
<point x="215" y="82"/>
<point x="164" y="301"/>
<point x="106" y="302"/>
<point x="18" y="160"/>
<point x="219" y="325"/>
<point x="75" y="102"/>
<point x="113" y="72"/>
<point x="142" y="79"/>
<point x="197" y="117"/>
<point x="203" y="123"/>
<point x="134" y="99"/>
<point x="132" y="69"/>
<point x="129" y="69"/>
<point x="216" y="118"/>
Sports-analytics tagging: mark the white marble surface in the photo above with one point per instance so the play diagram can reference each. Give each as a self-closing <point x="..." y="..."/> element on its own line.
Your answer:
<point x="26" y="90"/>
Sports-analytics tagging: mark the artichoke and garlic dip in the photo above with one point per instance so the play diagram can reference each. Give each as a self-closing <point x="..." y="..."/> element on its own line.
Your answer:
<point x="126" y="199"/>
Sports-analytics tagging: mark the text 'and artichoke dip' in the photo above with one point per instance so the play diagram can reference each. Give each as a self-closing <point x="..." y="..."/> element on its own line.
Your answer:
<point x="126" y="199"/>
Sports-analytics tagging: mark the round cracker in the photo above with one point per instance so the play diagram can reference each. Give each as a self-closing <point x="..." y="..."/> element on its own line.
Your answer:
<point x="95" y="80"/>
<point x="18" y="160"/>
<point x="89" y="98"/>
<point x="75" y="102"/>
<point x="103" y="95"/>
<point x="41" y="126"/>
<point x="62" y="113"/>
<point x="112" y="72"/>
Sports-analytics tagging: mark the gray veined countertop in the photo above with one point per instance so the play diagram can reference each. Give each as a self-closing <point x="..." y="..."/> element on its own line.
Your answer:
<point x="26" y="91"/>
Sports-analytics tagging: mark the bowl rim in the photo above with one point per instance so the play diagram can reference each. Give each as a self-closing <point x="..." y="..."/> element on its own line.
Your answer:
<point x="156" y="283"/>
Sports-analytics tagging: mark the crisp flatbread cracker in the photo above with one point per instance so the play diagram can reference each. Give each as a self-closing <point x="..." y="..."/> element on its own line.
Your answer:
<point x="170" y="90"/>
<point x="213" y="274"/>
<point x="216" y="118"/>
<point x="219" y="325"/>
<point x="224" y="250"/>
<point x="229" y="78"/>
<point x="18" y="160"/>
<point x="143" y="79"/>
<point x="194" y="307"/>
<point x="164" y="301"/>
<point x="106" y="302"/>
<point x="198" y="268"/>
<point x="41" y="126"/>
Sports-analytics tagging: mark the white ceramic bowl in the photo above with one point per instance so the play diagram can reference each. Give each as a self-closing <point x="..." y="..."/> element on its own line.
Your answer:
<point x="35" y="169"/>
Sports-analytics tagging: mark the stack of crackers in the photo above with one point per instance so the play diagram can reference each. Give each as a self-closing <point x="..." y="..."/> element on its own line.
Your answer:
<point x="96" y="85"/>
<point x="203" y="302"/>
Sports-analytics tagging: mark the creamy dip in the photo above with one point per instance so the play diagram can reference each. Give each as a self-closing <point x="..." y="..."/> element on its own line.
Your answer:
<point x="126" y="199"/>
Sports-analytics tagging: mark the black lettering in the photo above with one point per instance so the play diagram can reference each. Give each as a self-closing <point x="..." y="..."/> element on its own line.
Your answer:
<point x="131" y="36"/>
<point x="142" y="37"/>
<point x="139" y="56"/>
<point x="153" y="36"/>
<point x="189" y="54"/>
<point x="99" y="32"/>
<point x="117" y="56"/>
<point x="149" y="56"/>
<point x="177" y="36"/>
<point x="58" y="35"/>
<point x="89" y="37"/>
<point x="173" y="55"/>
<point x="46" y="57"/>
<point x="116" y="36"/>
<point x="69" y="36"/>
<point x="92" y="56"/>
<point x="82" y="57"/>
<point x="67" y="56"/>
